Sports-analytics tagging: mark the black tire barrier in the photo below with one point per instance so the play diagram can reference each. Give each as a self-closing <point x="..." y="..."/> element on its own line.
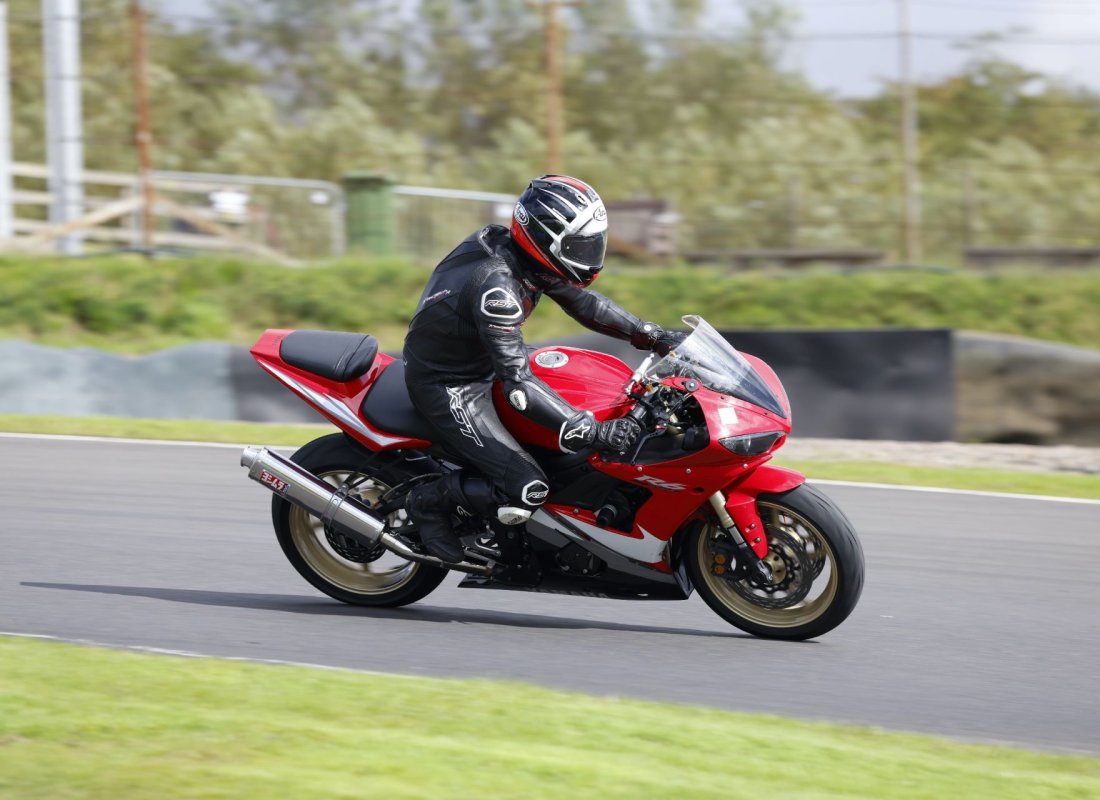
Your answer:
<point x="901" y="384"/>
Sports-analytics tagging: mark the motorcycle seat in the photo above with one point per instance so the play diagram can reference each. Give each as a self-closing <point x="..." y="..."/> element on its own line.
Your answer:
<point x="334" y="355"/>
<point x="387" y="406"/>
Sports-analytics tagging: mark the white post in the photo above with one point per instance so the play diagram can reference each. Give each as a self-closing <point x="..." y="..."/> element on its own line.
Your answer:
<point x="7" y="213"/>
<point x="64" y="129"/>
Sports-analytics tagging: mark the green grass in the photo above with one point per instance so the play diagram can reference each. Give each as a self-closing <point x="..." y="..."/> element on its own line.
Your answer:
<point x="125" y="303"/>
<point x="194" y="430"/>
<point x="990" y="480"/>
<point x="80" y="722"/>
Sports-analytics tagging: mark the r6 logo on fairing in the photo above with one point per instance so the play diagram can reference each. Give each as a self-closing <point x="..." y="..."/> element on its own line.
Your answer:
<point x="660" y="484"/>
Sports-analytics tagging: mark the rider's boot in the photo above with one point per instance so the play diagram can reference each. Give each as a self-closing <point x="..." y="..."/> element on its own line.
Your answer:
<point x="430" y="506"/>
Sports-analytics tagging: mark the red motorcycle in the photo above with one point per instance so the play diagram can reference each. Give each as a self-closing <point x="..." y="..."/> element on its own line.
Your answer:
<point x="692" y="505"/>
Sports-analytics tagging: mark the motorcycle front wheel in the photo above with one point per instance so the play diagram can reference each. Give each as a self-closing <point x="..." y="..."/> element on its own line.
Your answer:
<point x="338" y="565"/>
<point x="815" y="559"/>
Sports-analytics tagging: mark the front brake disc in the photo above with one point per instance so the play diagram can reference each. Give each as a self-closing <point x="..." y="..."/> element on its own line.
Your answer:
<point x="792" y="574"/>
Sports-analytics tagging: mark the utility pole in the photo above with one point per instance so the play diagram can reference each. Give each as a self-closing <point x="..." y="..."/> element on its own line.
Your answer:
<point x="144" y="135"/>
<point x="968" y="205"/>
<point x="7" y="211"/>
<point x="64" y="124"/>
<point x="555" y="94"/>
<point x="910" y="165"/>
<point x="794" y="210"/>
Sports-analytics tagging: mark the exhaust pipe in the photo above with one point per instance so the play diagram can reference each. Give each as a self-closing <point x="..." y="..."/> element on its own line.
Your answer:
<point x="304" y="489"/>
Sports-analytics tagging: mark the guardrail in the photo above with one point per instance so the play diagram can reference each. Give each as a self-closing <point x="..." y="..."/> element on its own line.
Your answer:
<point x="278" y="218"/>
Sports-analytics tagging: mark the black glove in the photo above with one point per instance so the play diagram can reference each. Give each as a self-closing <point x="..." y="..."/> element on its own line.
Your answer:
<point x="668" y="341"/>
<point x="613" y="436"/>
<point x="616" y="435"/>
<point x="651" y="336"/>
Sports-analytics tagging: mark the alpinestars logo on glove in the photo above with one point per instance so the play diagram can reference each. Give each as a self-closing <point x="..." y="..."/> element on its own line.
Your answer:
<point x="579" y="432"/>
<point x="461" y="415"/>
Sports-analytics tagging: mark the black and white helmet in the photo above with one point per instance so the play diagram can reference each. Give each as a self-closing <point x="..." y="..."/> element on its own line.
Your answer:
<point x="562" y="223"/>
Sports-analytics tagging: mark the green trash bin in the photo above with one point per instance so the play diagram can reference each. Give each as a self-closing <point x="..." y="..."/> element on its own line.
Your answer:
<point x="370" y="216"/>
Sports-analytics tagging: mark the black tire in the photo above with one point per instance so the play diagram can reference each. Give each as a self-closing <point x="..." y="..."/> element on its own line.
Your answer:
<point x="311" y="553"/>
<point x="809" y="513"/>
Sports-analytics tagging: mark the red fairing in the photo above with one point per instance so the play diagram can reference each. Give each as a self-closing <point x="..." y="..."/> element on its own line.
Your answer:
<point x="586" y="380"/>
<point x="336" y="401"/>
<point x="681" y="487"/>
<point x="741" y="500"/>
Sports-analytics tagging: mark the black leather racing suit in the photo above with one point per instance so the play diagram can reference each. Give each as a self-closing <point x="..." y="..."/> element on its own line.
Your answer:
<point x="466" y="332"/>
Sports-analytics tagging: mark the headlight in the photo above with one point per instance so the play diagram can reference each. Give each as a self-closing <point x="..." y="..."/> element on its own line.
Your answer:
<point x="752" y="444"/>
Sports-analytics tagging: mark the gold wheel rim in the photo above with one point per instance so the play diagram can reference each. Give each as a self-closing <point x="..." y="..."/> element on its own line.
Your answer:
<point x="822" y="591"/>
<point x="386" y="574"/>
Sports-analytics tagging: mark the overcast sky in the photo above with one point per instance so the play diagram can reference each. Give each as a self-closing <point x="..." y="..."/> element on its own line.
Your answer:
<point x="857" y="67"/>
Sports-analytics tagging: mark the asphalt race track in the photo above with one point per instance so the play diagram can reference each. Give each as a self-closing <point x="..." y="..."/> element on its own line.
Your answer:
<point x="978" y="619"/>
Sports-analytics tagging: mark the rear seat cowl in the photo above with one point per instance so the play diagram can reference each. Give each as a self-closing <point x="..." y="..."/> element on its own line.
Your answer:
<point x="335" y="355"/>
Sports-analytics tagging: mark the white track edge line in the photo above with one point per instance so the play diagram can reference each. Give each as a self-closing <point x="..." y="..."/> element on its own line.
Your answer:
<point x="1046" y="498"/>
<point x="854" y="484"/>
<point x="163" y="651"/>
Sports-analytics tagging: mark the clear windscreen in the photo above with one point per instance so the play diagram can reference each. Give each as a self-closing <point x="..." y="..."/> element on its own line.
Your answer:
<point x="708" y="358"/>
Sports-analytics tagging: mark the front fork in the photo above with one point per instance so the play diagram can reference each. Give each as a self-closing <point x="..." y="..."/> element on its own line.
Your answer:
<point x="739" y="519"/>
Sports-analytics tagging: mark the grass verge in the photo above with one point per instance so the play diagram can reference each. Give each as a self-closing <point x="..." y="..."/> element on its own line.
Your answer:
<point x="191" y="430"/>
<point x="989" y="480"/>
<point x="81" y="722"/>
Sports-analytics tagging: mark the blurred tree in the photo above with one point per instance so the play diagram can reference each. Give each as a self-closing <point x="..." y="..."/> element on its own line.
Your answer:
<point x="992" y="99"/>
<point x="452" y="93"/>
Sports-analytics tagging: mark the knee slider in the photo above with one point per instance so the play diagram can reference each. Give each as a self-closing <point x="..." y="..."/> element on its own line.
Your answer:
<point x="510" y="515"/>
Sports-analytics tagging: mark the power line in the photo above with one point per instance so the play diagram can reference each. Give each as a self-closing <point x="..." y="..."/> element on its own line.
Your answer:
<point x="1028" y="103"/>
<point x="641" y="33"/>
<point x="108" y="17"/>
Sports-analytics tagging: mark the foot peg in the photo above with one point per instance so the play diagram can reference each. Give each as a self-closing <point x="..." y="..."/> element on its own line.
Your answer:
<point x="527" y="575"/>
<point x="518" y="565"/>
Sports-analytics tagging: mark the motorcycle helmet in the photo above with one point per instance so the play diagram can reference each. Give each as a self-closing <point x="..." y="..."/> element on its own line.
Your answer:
<point x="561" y="223"/>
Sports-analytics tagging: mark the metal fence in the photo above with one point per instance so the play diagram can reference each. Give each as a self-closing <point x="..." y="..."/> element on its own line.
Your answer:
<point x="300" y="218"/>
<point x="431" y="221"/>
<point x="284" y="217"/>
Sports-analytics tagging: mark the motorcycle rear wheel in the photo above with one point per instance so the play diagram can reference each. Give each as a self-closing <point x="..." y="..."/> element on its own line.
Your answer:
<point x="830" y="561"/>
<point x="339" y="566"/>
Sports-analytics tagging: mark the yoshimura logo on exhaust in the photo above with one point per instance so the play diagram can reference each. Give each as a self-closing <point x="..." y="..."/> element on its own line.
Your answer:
<point x="276" y="484"/>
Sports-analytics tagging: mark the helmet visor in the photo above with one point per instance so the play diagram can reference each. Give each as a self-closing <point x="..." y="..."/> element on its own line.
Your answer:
<point x="588" y="251"/>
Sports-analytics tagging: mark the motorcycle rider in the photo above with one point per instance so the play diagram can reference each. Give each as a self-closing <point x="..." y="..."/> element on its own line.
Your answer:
<point x="466" y="332"/>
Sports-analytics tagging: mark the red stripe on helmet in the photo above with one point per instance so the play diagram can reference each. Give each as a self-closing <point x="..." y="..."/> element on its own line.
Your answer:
<point x="524" y="240"/>
<point x="579" y="185"/>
